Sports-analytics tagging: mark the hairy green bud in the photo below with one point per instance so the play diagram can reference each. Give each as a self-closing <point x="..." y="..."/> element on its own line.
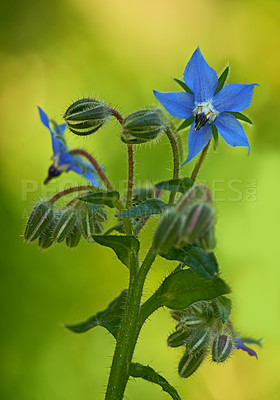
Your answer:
<point x="86" y="116"/>
<point x="198" y="341"/>
<point x="91" y="219"/>
<point x="190" y="363"/>
<point x="73" y="237"/>
<point x="66" y="219"/>
<point x="178" y="338"/>
<point x="40" y="217"/>
<point x="142" y="126"/>
<point x="221" y="348"/>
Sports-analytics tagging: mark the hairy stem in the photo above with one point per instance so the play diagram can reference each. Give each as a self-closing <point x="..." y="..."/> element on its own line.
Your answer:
<point x="128" y="333"/>
<point x="117" y="115"/>
<point x="130" y="176"/>
<point x="176" y="159"/>
<point x="74" y="189"/>
<point x="200" y="161"/>
<point x="95" y="164"/>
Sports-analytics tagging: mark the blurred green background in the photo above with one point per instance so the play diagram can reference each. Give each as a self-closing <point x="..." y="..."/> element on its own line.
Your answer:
<point x="54" y="52"/>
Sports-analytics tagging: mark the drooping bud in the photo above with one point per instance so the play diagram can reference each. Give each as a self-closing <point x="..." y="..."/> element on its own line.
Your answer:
<point x="168" y="232"/>
<point x="142" y="126"/>
<point x="190" y="363"/>
<point x="66" y="219"/>
<point x="178" y="338"/>
<point x="73" y="237"/>
<point x="192" y="321"/>
<point x="40" y="217"/>
<point x="198" y="341"/>
<point x="46" y="238"/>
<point x="208" y="241"/>
<point x="198" y="221"/>
<point x="86" y="116"/>
<point x="91" y="219"/>
<point x="221" y="348"/>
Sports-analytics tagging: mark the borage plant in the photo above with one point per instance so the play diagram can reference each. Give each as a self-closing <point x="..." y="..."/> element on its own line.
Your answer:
<point x="194" y="292"/>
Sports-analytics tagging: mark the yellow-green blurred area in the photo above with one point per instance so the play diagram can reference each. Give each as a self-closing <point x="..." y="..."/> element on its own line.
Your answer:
<point x="54" y="52"/>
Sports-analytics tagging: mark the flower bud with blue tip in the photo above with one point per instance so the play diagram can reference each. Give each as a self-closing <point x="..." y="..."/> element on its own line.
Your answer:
<point x="62" y="160"/>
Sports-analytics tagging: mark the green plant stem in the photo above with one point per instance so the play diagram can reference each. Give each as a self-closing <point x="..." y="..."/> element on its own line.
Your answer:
<point x="128" y="333"/>
<point x="200" y="161"/>
<point x="130" y="176"/>
<point x="95" y="164"/>
<point x="74" y="189"/>
<point x="176" y="159"/>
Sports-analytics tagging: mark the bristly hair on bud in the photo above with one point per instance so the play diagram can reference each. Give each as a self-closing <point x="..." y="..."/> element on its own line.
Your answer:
<point x="221" y="348"/>
<point x="142" y="126"/>
<point x="40" y="218"/>
<point x="86" y="116"/>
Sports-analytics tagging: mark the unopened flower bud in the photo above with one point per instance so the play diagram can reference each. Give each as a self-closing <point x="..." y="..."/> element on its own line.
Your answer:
<point x="190" y="363"/>
<point x="86" y="116"/>
<point x="199" y="219"/>
<point x="141" y="127"/>
<point x="40" y="217"/>
<point x="191" y="321"/>
<point x="221" y="348"/>
<point x="178" y="338"/>
<point x="66" y="219"/>
<point x="73" y="237"/>
<point x="208" y="241"/>
<point x="46" y="238"/>
<point x="168" y="231"/>
<point x="91" y="219"/>
<point x="198" y="341"/>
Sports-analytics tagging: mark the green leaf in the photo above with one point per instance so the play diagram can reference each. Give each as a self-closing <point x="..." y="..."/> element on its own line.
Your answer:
<point x="215" y="136"/>
<point x="183" y="85"/>
<point x="247" y="340"/>
<point x="222" y="306"/>
<point x="185" y="124"/>
<point x="175" y="185"/>
<point x="109" y="318"/>
<point x="147" y="207"/>
<point x="241" y="116"/>
<point x="149" y="374"/>
<point x="125" y="247"/>
<point x="106" y="198"/>
<point x="222" y="79"/>
<point x="204" y="264"/>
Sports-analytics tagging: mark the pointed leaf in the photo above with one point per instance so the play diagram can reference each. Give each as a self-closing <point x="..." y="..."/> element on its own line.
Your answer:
<point x="175" y="185"/>
<point x="241" y="116"/>
<point x="204" y="264"/>
<point x="183" y="85"/>
<point x="215" y="136"/>
<point x="185" y="124"/>
<point x="125" y="247"/>
<point x="149" y="374"/>
<point x="222" y="306"/>
<point x="222" y="80"/>
<point x="109" y="318"/>
<point x="106" y="198"/>
<point x="147" y="207"/>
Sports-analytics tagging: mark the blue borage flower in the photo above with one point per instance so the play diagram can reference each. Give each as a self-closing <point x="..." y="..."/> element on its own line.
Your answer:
<point x="240" y="345"/>
<point x="207" y="107"/>
<point x="62" y="160"/>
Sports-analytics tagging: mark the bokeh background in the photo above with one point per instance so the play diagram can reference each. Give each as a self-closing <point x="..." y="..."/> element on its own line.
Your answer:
<point x="54" y="52"/>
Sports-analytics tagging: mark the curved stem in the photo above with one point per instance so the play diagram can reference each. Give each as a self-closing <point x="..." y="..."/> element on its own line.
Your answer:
<point x="95" y="164"/>
<point x="117" y="115"/>
<point x="176" y="159"/>
<point x="128" y="333"/>
<point x="74" y="189"/>
<point x="200" y="161"/>
<point x="130" y="176"/>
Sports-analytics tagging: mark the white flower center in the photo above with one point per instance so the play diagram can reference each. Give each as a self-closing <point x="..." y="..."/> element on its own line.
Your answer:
<point x="204" y="113"/>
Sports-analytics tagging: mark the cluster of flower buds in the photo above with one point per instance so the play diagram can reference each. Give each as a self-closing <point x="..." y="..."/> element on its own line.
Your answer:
<point x="190" y="221"/>
<point x="50" y="224"/>
<point x="86" y="116"/>
<point x="200" y="330"/>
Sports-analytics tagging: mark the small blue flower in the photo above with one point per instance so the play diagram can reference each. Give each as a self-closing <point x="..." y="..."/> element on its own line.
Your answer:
<point x="62" y="160"/>
<point x="207" y="107"/>
<point x="239" y="345"/>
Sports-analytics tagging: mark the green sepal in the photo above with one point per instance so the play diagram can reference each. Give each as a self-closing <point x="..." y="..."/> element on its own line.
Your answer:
<point x="110" y="318"/>
<point x="215" y="135"/>
<point x="40" y="218"/>
<point x="108" y="199"/>
<point x="222" y="79"/>
<point x="201" y="262"/>
<point x="73" y="238"/>
<point x="147" y="207"/>
<point x="185" y="124"/>
<point x="126" y="247"/>
<point x="149" y="374"/>
<point x="183" y="85"/>
<point x="176" y="185"/>
<point x="222" y="307"/>
<point x="240" y="116"/>
<point x="182" y="288"/>
<point x="247" y="340"/>
<point x="65" y="222"/>
<point x="46" y="239"/>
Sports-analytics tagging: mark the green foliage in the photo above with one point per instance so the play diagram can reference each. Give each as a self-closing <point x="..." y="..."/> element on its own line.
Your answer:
<point x="241" y="116"/>
<point x="185" y="124"/>
<point x="222" y="79"/>
<point x="201" y="262"/>
<point x="108" y="199"/>
<point x="147" y="207"/>
<point x="110" y="318"/>
<point x="183" y="85"/>
<point x="149" y="374"/>
<point x="215" y="135"/>
<point x="125" y="247"/>
<point x="222" y="307"/>
<point x="175" y="185"/>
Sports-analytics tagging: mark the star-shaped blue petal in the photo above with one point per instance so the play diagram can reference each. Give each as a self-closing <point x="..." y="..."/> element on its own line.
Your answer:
<point x="207" y="107"/>
<point x="62" y="160"/>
